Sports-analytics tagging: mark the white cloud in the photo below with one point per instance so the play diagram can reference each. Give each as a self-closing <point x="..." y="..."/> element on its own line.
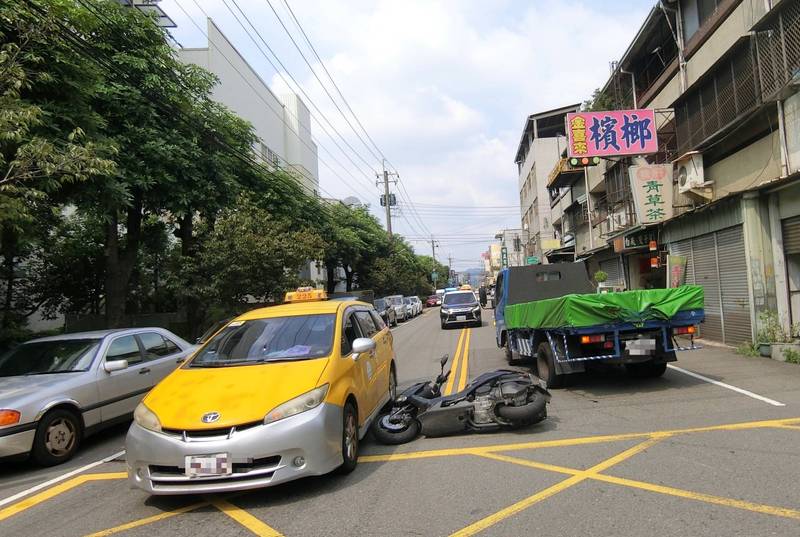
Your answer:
<point x="443" y="86"/>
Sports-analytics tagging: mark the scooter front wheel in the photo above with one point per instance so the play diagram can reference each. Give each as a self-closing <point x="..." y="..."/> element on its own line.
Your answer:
<point x="392" y="432"/>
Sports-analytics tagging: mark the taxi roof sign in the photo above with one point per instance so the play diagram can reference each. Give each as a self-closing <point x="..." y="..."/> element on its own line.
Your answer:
<point x="305" y="294"/>
<point x="465" y="287"/>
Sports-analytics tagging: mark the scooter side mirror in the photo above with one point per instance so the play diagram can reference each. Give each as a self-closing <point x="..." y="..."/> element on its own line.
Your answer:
<point x="443" y="361"/>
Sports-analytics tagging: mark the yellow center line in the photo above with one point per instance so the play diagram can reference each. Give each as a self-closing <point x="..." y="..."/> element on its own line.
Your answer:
<point x="540" y="496"/>
<point x="244" y="518"/>
<point x="462" y="378"/>
<point x="454" y="367"/>
<point x="45" y="495"/>
<point x="149" y="520"/>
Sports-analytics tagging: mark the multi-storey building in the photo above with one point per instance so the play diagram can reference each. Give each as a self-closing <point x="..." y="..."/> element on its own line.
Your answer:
<point x="539" y="148"/>
<point x="723" y="79"/>
<point x="282" y="124"/>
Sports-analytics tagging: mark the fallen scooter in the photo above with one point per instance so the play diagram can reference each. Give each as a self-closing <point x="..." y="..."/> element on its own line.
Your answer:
<point x="494" y="400"/>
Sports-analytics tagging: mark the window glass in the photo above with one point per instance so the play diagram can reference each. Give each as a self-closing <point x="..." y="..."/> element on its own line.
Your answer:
<point x="155" y="346"/>
<point x="376" y="317"/>
<point x="548" y="276"/>
<point x="459" y="299"/>
<point x="350" y="333"/>
<point x="46" y="357"/>
<point x="124" y="348"/>
<point x="380" y="304"/>
<point x="172" y="347"/>
<point x="368" y="328"/>
<point x="274" y="339"/>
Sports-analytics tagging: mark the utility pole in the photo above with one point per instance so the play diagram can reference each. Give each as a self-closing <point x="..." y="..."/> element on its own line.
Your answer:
<point x="387" y="199"/>
<point x="433" y="248"/>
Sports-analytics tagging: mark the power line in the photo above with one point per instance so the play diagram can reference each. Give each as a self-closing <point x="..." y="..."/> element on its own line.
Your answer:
<point x="269" y="105"/>
<point x="289" y="74"/>
<point x="336" y="86"/>
<point x="382" y="157"/>
<point x="325" y="89"/>
<point x="81" y="46"/>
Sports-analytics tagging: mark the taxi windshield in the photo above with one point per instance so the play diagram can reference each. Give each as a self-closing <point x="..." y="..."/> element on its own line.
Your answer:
<point x="276" y="339"/>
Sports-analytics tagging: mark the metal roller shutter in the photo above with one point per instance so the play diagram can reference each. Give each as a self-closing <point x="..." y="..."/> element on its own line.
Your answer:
<point x="791" y="235"/>
<point x="706" y="273"/>
<point x="612" y="268"/>
<point x="733" y="282"/>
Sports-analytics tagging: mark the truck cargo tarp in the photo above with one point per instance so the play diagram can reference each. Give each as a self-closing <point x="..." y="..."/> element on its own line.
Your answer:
<point x="583" y="310"/>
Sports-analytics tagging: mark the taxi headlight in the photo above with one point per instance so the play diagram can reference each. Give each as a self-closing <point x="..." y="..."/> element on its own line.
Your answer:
<point x="146" y="418"/>
<point x="299" y="404"/>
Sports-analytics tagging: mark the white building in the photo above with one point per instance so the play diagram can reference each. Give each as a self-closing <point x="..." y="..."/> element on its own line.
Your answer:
<point x="283" y="124"/>
<point x="539" y="149"/>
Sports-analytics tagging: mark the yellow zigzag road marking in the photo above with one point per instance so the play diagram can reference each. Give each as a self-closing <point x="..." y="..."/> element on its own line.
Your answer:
<point x="511" y="510"/>
<point x="56" y="490"/>
<point x="576" y="441"/>
<point x="245" y="519"/>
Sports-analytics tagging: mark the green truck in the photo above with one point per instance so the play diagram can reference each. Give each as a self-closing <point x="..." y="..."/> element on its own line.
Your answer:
<point x="552" y="314"/>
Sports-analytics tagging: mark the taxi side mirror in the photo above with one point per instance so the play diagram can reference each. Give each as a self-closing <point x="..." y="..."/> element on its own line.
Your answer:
<point x="363" y="345"/>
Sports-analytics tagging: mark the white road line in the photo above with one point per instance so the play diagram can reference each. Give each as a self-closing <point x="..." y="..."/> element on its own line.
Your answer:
<point x="767" y="400"/>
<point x="46" y="484"/>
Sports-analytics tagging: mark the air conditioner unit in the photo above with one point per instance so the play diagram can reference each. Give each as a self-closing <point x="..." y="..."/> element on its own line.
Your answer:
<point x="690" y="172"/>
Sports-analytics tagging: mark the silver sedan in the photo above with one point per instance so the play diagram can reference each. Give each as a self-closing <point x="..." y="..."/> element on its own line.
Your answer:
<point x="54" y="391"/>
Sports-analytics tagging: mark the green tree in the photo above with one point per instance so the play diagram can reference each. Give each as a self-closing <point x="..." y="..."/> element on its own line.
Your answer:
<point x="44" y="121"/>
<point x="248" y="256"/>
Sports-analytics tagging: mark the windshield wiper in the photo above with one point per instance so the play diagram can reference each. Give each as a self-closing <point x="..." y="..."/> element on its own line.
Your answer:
<point x="245" y="361"/>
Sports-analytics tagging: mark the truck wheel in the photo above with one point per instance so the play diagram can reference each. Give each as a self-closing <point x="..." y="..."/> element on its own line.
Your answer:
<point x="546" y="366"/>
<point x="646" y="370"/>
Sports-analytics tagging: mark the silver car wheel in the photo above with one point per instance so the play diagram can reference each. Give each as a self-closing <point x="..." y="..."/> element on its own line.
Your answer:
<point x="60" y="437"/>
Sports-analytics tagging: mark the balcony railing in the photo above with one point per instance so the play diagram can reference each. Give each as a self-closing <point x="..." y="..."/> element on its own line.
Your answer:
<point x="727" y="94"/>
<point x="778" y="51"/>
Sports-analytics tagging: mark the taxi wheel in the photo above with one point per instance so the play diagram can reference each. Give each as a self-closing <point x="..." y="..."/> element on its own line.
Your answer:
<point x="57" y="438"/>
<point x="349" y="439"/>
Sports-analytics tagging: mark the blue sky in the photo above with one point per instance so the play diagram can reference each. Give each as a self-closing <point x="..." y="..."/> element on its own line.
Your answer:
<point x="443" y="87"/>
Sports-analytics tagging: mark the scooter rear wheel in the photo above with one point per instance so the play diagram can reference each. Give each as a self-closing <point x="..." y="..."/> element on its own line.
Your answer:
<point x="392" y="434"/>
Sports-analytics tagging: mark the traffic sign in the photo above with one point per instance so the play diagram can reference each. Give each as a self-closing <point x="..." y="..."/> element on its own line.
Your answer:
<point x="434" y="276"/>
<point x="532" y="260"/>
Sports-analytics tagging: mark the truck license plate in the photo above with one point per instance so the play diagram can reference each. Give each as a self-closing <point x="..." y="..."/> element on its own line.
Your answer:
<point x="204" y="465"/>
<point x="461" y="317"/>
<point x="641" y="347"/>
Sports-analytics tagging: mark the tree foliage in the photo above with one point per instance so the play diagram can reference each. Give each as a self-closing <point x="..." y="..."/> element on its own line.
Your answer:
<point x="126" y="189"/>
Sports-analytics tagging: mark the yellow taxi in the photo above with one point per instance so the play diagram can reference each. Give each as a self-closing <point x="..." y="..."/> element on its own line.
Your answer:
<point x="279" y="393"/>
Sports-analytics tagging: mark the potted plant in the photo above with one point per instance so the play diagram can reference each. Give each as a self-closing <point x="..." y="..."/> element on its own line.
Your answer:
<point x="600" y="276"/>
<point x="773" y="340"/>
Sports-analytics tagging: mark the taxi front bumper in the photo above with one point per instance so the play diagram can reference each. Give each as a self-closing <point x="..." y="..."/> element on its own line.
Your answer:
<point x="306" y="444"/>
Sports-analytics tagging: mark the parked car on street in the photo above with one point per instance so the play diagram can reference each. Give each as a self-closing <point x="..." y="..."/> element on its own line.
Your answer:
<point x="287" y="392"/>
<point x="460" y="307"/>
<point x="417" y="304"/>
<point x="433" y="301"/>
<point x="386" y="311"/>
<point x="399" y="307"/>
<point x="411" y="309"/>
<point x="57" y="390"/>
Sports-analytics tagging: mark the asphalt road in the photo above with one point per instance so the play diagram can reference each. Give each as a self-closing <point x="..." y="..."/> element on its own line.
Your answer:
<point x="708" y="449"/>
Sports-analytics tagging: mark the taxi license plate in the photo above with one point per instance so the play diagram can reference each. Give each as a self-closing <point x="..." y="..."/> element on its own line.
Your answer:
<point x="461" y="317"/>
<point x="204" y="465"/>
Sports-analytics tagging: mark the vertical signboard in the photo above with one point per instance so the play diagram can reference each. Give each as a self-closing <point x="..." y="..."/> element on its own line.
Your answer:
<point x="612" y="133"/>
<point x="676" y="270"/>
<point x="651" y="185"/>
<point x="504" y="257"/>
